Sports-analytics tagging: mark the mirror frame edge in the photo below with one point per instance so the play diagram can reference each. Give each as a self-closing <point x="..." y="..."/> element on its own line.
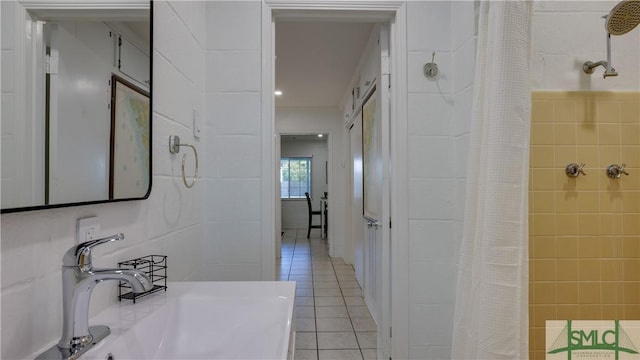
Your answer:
<point x="108" y="201"/>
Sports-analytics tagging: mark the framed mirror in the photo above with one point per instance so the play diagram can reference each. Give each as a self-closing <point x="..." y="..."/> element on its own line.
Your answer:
<point x="76" y="103"/>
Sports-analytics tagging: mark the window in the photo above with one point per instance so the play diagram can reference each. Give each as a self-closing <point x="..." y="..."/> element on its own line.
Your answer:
<point x="295" y="177"/>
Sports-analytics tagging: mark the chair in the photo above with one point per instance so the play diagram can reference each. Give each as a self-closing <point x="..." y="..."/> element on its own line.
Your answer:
<point x="311" y="213"/>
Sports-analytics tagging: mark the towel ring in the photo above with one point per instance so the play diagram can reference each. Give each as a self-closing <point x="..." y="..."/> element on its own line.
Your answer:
<point x="174" y="148"/>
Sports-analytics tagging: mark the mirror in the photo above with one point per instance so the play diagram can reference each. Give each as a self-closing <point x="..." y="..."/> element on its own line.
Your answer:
<point x="76" y="103"/>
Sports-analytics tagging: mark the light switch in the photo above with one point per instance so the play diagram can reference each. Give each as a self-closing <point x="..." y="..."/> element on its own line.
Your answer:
<point x="196" y="124"/>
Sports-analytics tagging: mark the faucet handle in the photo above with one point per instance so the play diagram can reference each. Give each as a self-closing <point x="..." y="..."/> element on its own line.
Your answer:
<point x="80" y="255"/>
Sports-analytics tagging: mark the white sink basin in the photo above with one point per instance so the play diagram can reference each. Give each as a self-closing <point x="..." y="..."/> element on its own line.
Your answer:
<point x="201" y="320"/>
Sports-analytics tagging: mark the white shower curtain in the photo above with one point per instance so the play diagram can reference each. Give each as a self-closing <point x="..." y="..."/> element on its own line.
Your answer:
<point x="491" y="312"/>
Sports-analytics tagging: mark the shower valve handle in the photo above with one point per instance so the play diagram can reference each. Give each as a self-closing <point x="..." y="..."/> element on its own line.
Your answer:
<point x="614" y="171"/>
<point x="573" y="170"/>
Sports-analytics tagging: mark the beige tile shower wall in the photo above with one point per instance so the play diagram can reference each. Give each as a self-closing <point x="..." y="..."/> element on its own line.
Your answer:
<point x="584" y="232"/>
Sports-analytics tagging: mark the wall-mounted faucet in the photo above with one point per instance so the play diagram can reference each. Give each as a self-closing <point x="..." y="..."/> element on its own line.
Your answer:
<point x="573" y="170"/>
<point x="79" y="278"/>
<point x="614" y="171"/>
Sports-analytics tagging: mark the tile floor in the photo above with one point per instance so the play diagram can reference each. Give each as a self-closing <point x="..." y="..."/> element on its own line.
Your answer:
<point x="332" y="320"/>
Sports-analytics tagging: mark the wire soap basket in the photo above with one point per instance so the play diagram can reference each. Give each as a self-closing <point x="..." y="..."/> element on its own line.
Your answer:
<point x="155" y="266"/>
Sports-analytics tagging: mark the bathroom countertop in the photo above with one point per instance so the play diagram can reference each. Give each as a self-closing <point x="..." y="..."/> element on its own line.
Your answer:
<point x="202" y="320"/>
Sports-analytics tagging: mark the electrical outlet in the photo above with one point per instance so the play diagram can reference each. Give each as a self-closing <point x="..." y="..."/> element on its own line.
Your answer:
<point x="87" y="229"/>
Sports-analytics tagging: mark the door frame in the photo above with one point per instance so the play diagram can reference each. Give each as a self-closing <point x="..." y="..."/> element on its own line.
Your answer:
<point x="278" y="145"/>
<point x="393" y="12"/>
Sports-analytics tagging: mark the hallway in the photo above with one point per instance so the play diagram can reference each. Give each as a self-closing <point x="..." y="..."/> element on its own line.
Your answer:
<point x="332" y="320"/>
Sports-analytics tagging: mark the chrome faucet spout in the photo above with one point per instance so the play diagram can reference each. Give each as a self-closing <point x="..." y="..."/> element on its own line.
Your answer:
<point x="79" y="278"/>
<point x="139" y="281"/>
<point x="77" y="287"/>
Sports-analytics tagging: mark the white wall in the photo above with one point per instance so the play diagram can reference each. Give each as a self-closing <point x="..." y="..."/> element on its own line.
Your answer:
<point x="568" y="33"/>
<point x="169" y="222"/>
<point x="439" y="115"/>
<point x="233" y="242"/>
<point x="301" y="120"/>
<point x="294" y="211"/>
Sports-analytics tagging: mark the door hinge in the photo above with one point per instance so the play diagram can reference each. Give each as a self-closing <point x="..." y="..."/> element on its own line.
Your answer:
<point x="389" y="223"/>
<point x="119" y="52"/>
<point x="51" y="64"/>
<point x="390" y="332"/>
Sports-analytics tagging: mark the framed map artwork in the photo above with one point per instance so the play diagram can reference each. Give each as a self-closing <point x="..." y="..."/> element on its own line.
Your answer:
<point x="129" y="162"/>
<point x="371" y="158"/>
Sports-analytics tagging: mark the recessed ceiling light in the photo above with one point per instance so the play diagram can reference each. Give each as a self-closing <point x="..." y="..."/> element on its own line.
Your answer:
<point x="277" y="93"/>
<point x="320" y="135"/>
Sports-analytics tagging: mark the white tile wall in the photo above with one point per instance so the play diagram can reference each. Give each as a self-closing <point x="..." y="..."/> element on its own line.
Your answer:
<point x="234" y="199"/>
<point x="234" y="71"/>
<point x="464" y="64"/>
<point x="232" y="248"/>
<point x="430" y="115"/>
<point x="442" y="250"/>
<point x="428" y="26"/>
<point x="431" y="198"/>
<point x="435" y="289"/>
<point x="7" y="73"/>
<point x="188" y="10"/>
<point x="236" y="114"/>
<point x="428" y="152"/>
<point x="179" y="43"/>
<point x="439" y="116"/>
<point x="242" y="156"/>
<point x="7" y="38"/>
<point x="462" y="25"/>
<point x="462" y="111"/>
<point x="178" y="105"/>
<point x="240" y="22"/>
<point x="240" y="242"/>
<point x="437" y="332"/>
<point x="565" y="34"/>
<point x="169" y="222"/>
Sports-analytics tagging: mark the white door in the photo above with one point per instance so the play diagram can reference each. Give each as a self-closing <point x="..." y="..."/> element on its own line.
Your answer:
<point x="383" y="234"/>
<point x="79" y="117"/>
<point x="371" y="238"/>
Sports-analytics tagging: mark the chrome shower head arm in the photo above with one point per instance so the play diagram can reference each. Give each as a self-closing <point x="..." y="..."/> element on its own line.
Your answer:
<point x="609" y="70"/>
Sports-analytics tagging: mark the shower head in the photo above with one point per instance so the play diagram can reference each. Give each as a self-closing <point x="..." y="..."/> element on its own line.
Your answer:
<point x="623" y="18"/>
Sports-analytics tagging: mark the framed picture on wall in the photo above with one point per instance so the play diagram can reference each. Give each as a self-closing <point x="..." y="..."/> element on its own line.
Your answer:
<point x="129" y="146"/>
<point x="371" y="157"/>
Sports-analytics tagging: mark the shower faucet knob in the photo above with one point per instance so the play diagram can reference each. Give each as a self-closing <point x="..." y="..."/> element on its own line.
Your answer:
<point x="573" y="170"/>
<point x="614" y="171"/>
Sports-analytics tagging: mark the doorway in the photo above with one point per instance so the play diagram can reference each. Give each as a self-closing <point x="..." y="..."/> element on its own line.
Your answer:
<point x="304" y="169"/>
<point x="391" y="269"/>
